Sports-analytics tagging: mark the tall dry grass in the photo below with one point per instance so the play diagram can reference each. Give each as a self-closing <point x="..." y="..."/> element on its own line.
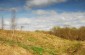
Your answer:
<point x="37" y="43"/>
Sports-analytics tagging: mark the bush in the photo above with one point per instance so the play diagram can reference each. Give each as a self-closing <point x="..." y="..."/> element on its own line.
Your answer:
<point x="69" y="33"/>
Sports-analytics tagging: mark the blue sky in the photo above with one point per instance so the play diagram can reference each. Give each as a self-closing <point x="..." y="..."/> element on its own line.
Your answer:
<point x="68" y="5"/>
<point x="44" y="14"/>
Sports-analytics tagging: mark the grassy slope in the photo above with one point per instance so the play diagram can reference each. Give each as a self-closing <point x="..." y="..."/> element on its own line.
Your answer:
<point x="35" y="43"/>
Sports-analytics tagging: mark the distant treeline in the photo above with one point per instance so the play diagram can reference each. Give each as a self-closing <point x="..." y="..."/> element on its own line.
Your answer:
<point x="71" y="33"/>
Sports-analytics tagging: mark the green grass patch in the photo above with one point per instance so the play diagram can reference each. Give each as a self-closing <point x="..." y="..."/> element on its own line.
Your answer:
<point x="38" y="50"/>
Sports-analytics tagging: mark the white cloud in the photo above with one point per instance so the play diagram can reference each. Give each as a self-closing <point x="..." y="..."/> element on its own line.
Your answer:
<point x="41" y="12"/>
<point x="38" y="3"/>
<point x="11" y="9"/>
<point x="65" y="18"/>
<point x="23" y="21"/>
<point x="44" y="12"/>
<point x="47" y="19"/>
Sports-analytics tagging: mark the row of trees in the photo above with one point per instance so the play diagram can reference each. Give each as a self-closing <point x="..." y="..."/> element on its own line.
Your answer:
<point x="69" y="33"/>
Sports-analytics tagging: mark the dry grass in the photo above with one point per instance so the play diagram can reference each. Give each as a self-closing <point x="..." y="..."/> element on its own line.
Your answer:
<point x="36" y="43"/>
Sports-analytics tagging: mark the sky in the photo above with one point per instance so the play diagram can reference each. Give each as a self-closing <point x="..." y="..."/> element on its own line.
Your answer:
<point x="43" y="14"/>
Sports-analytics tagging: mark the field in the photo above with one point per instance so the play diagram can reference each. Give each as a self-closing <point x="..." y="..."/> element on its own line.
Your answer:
<point x="38" y="43"/>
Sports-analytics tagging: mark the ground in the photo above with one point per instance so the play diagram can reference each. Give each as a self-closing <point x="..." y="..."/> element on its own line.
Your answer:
<point x="38" y="43"/>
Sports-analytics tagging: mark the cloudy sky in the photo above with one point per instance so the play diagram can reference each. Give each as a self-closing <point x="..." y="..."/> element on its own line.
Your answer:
<point x="43" y="14"/>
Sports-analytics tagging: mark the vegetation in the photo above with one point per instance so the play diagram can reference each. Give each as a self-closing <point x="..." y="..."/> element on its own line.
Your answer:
<point x="38" y="43"/>
<point x="69" y="33"/>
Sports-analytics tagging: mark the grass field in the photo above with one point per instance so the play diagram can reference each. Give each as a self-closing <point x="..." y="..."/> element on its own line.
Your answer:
<point x="38" y="43"/>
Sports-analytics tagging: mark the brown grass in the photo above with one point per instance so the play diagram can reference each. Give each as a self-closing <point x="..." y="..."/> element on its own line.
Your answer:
<point x="37" y="43"/>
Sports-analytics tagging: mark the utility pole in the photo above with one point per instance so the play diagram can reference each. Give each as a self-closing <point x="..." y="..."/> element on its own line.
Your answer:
<point x="22" y="28"/>
<point x="13" y="23"/>
<point x="13" y="20"/>
<point x="2" y="22"/>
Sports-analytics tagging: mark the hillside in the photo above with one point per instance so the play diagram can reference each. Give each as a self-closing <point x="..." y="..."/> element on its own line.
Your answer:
<point x="37" y="43"/>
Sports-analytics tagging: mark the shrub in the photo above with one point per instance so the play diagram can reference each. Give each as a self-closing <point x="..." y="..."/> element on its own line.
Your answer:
<point x="69" y="33"/>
